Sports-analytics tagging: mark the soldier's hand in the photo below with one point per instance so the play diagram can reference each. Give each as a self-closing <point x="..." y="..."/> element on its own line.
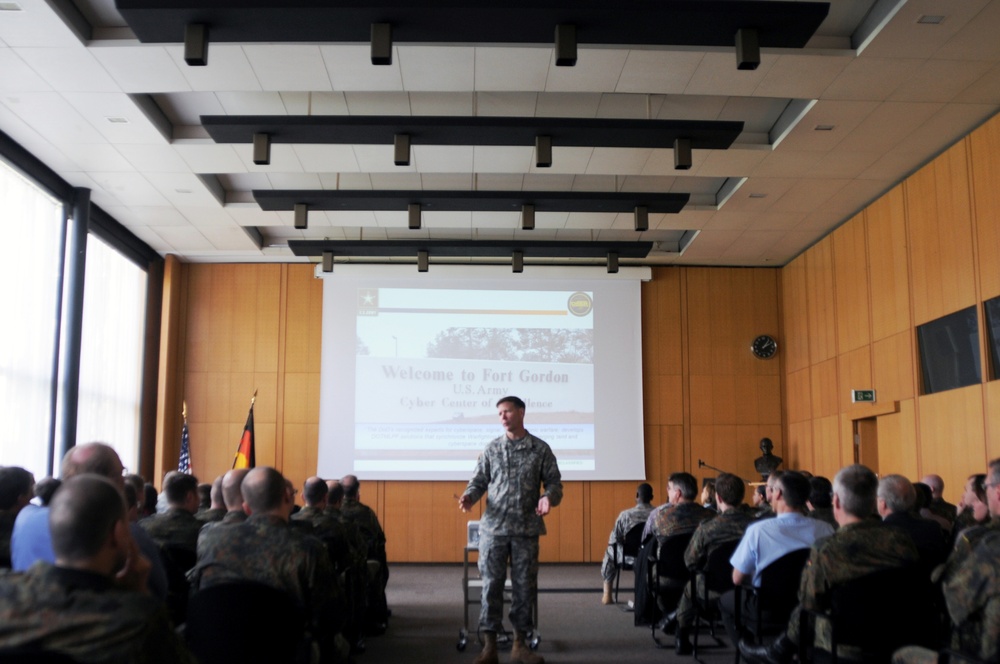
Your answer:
<point x="134" y="575"/>
<point x="543" y="506"/>
<point x="465" y="503"/>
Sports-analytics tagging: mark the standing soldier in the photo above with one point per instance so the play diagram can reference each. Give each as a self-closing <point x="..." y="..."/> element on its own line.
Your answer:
<point x="511" y="468"/>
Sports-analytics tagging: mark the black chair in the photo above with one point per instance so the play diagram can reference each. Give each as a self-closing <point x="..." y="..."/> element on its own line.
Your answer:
<point x="246" y="622"/>
<point x="715" y="578"/>
<point x="177" y="561"/>
<point x="865" y="618"/>
<point x="775" y="599"/>
<point x="34" y="656"/>
<point x="668" y="576"/>
<point x="629" y="547"/>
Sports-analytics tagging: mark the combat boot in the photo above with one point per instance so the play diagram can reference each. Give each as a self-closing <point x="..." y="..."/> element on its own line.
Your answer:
<point x="606" y="598"/>
<point x="520" y="653"/>
<point x="489" y="653"/>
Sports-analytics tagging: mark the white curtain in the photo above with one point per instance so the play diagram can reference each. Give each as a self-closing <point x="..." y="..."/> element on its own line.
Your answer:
<point x="31" y="223"/>
<point x="114" y="315"/>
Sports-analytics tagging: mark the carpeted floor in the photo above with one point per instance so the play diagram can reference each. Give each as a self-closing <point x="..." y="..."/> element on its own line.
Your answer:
<point x="574" y="627"/>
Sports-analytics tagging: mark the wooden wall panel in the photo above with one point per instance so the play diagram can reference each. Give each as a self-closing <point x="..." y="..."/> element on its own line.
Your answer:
<point x="992" y="393"/>
<point x="850" y="263"/>
<point x="894" y="364"/>
<point x="821" y="306"/>
<point x="940" y="237"/>
<point x="952" y="436"/>
<point x="897" y="435"/>
<point x="854" y="370"/>
<point x="827" y="459"/>
<point x="823" y="386"/>
<point x="799" y="395"/>
<point x="888" y="265"/>
<point x="795" y="323"/>
<point x="799" y="450"/>
<point x="984" y="146"/>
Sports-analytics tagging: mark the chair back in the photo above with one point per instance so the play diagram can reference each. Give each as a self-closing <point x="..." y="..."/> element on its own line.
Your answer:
<point x="244" y="622"/>
<point x="865" y="612"/>
<point x="779" y="584"/>
<point x="632" y="543"/>
<point x="34" y="656"/>
<point x="718" y="570"/>
<point x="670" y="565"/>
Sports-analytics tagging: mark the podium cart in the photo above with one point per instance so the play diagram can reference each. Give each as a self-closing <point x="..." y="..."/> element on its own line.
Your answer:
<point x="472" y="588"/>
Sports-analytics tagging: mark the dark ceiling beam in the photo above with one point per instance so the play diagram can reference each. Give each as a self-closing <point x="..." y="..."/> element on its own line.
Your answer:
<point x="472" y="130"/>
<point x="469" y="248"/>
<point x="463" y="201"/>
<point x="779" y="24"/>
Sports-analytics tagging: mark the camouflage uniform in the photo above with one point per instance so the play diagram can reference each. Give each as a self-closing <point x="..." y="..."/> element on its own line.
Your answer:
<point x="85" y="616"/>
<point x="511" y="471"/>
<point x="210" y="515"/>
<point x="174" y="528"/>
<point x="965" y="544"/>
<point x="627" y="520"/>
<point x="824" y="514"/>
<point x="970" y="582"/>
<point x="331" y="531"/>
<point x="366" y="520"/>
<point x="854" y="551"/>
<point x="764" y="511"/>
<point x="677" y="519"/>
<point x="943" y="508"/>
<point x="266" y="549"/>
<point x="726" y="527"/>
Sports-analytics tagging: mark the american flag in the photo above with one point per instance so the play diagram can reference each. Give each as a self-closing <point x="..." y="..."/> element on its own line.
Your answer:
<point x="184" y="465"/>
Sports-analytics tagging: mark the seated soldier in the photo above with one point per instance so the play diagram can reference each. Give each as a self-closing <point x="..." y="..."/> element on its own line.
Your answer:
<point x="266" y="549"/>
<point x="973" y="509"/>
<point x="626" y="520"/>
<point x="216" y="509"/>
<point x="820" y="501"/>
<point x="367" y="521"/>
<point x="177" y="527"/>
<point x="728" y="526"/>
<point x="93" y="603"/>
<point x="17" y="486"/>
<point x="859" y="547"/>
<point x="326" y="527"/>
<point x="896" y="499"/>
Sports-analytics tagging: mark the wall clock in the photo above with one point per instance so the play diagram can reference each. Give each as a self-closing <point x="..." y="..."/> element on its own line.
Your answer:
<point x="764" y="346"/>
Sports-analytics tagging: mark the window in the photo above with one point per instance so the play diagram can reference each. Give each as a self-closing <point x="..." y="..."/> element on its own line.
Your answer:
<point x="949" y="351"/>
<point x="30" y="262"/>
<point x="114" y="314"/>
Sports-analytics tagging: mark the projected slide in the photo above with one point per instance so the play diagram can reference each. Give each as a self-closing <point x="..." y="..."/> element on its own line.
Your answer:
<point x="413" y="366"/>
<point x="433" y="362"/>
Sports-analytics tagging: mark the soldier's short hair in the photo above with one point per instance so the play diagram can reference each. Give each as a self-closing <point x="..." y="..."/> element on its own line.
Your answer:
<point x="177" y="486"/>
<point x="232" y="494"/>
<point x="762" y="490"/>
<point x="686" y="483"/>
<point x="45" y="488"/>
<point x="897" y="492"/>
<point x="644" y="492"/>
<point x="95" y="458"/>
<point x="979" y="486"/>
<point x="138" y="484"/>
<point x="516" y="401"/>
<point x="314" y="490"/>
<point x="204" y="495"/>
<point x="856" y="485"/>
<point x="924" y="496"/>
<point x="820" y="490"/>
<point x="794" y="488"/>
<point x="82" y="515"/>
<point x="336" y="493"/>
<point x="351" y="486"/>
<point x="14" y="483"/>
<point x="730" y="489"/>
<point x="264" y="489"/>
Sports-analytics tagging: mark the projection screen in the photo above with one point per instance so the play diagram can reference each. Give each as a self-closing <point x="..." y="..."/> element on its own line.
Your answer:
<point x="414" y="363"/>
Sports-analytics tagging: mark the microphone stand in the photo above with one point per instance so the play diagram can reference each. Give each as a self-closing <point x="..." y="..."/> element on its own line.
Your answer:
<point x="702" y="464"/>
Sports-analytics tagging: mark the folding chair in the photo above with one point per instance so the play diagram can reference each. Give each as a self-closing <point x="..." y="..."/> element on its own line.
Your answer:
<point x="716" y="577"/>
<point x="629" y="547"/>
<point x="668" y="576"/>
<point x="776" y="598"/>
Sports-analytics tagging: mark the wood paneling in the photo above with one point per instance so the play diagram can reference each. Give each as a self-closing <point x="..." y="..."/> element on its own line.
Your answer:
<point x="854" y="369"/>
<point x="888" y="265"/>
<point x="897" y="433"/>
<point x="795" y="322"/>
<point x="952" y="435"/>
<point x="894" y="367"/>
<point x="992" y="393"/>
<point x="938" y="215"/>
<point x="850" y="263"/>
<point x="823" y="385"/>
<point x="821" y="306"/>
<point x="984" y="146"/>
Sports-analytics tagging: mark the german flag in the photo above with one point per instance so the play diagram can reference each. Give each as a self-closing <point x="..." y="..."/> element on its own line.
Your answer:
<point x="244" y="453"/>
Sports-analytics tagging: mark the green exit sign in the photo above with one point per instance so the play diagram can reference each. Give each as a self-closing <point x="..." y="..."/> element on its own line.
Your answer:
<point x="862" y="396"/>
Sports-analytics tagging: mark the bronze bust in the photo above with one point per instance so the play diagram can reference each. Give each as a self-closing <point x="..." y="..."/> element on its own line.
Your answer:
<point x="766" y="463"/>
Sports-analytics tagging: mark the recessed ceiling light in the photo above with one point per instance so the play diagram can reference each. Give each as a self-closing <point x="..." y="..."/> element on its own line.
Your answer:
<point x="9" y="7"/>
<point x="824" y="127"/>
<point x="117" y="120"/>
<point x="930" y="19"/>
<point x="758" y="195"/>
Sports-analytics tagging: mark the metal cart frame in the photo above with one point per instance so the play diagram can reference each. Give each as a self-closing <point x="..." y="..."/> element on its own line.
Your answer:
<point x="470" y="582"/>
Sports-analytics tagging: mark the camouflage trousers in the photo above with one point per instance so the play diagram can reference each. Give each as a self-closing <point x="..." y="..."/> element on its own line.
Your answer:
<point x="495" y="553"/>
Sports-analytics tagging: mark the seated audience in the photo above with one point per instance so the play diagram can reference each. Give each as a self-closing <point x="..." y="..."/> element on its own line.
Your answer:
<point x="681" y="513"/>
<point x="924" y="498"/>
<point x="626" y="520"/>
<point x="364" y="517"/>
<point x="820" y="503"/>
<point x="859" y="547"/>
<point x="729" y="526"/>
<point x="938" y="505"/>
<point x="896" y="499"/>
<point x="176" y="528"/>
<point x="31" y="540"/>
<point x="762" y="501"/>
<point x="767" y="540"/>
<point x="45" y="488"/>
<point x="17" y="487"/>
<point x="973" y="509"/>
<point x="708" y="494"/>
<point x="92" y="604"/>
<point x="216" y="504"/>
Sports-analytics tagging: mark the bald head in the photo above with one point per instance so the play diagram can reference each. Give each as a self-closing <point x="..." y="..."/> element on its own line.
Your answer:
<point x="352" y="487"/>
<point x="265" y="491"/>
<point x="895" y="494"/>
<point x="936" y="484"/>
<point x="314" y="491"/>
<point x="232" y="494"/>
<point x="96" y="458"/>
<point x="82" y="515"/>
<point x="336" y="494"/>
<point x="216" y="494"/>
